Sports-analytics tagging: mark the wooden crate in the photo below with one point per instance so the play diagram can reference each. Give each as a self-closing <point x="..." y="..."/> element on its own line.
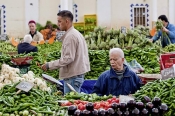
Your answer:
<point x="79" y="26"/>
<point x="90" y="16"/>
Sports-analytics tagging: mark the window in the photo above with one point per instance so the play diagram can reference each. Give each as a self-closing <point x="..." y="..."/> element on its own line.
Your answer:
<point x="139" y="16"/>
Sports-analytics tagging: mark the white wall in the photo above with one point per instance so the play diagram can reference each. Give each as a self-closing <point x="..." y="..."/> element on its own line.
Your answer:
<point x="104" y="12"/>
<point x="85" y="7"/>
<point x="17" y="18"/>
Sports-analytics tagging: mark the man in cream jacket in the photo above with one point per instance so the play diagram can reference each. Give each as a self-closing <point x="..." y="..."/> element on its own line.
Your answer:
<point x="74" y="60"/>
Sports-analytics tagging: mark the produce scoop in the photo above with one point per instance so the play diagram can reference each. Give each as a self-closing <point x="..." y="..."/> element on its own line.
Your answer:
<point x="51" y="79"/>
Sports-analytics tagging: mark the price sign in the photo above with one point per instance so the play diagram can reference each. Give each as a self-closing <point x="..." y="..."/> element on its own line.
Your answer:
<point x="25" y="86"/>
<point x="168" y="72"/>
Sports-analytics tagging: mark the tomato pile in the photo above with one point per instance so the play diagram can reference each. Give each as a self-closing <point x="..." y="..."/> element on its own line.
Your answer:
<point x="81" y="105"/>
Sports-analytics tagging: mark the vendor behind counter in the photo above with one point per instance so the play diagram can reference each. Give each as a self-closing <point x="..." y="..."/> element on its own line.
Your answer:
<point x="26" y="46"/>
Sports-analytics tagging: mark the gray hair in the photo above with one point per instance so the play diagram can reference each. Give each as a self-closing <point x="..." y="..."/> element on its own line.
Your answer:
<point x="28" y="38"/>
<point x="120" y="51"/>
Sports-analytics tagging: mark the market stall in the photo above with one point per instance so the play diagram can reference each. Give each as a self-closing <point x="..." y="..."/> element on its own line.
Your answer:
<point x="50" y="100"/>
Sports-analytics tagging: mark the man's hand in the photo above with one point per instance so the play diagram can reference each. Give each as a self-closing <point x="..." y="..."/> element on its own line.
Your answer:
<point x="165" y="30"/>
<point x="44" y="67"/>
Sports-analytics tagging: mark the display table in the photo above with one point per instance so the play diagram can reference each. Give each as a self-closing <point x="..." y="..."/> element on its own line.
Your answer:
<point x="87" y="86"/>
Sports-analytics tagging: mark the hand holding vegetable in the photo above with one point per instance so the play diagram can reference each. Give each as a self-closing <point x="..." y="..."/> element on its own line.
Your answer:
<point x="44" y="67"/>
<point x="165" y="30"/>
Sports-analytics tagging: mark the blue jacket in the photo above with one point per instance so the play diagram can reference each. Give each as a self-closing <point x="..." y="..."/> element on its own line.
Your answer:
<point x="26" y="48"/>
<point x="171" y="35"/>
<point x="108" y="83"/>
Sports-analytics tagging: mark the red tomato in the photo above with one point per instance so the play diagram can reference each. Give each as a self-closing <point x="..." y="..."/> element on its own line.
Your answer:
<point x="109" y="100"/>
<point x="68" y="103"/>
<point x="97" y="106"/>
<point x="81" y="106"/>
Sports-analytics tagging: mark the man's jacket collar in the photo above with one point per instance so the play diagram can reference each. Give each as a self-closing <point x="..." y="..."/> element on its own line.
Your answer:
<point x="125" y="74"/>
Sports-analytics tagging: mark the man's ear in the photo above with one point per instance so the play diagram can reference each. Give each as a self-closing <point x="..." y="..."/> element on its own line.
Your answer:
<point x="123" y="59"/>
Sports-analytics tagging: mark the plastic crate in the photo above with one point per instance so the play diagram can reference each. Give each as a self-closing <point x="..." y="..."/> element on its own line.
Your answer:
<point x="22" y="60"/>
<point x="149" y="77"/>
<point x="167" y="60"/>
<point x="12" y="53"/>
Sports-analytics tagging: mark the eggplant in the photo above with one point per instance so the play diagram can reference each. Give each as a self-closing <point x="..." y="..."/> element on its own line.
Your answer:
<point x="145" y="112"/>
<point x="95" y="112"/>
<point x="90" y="106"/>
<point x="115" y="106"/>
<point x="127" y="113"/>
<point x="140" y="105"/>
<point x="149" y="106"/>
<point x="71" y="109"/>
<point x="86" y="113"/>
<point x="77" y="113"/>
<point x="123" y="106"/>
<point x="119" y="113"/>
<point x="163" y="109"/>
<point x="110" y="112"/>
<point x="155" y="112"/>
<point x="146" y="99"/>
<point x="156" y="102"/>
<point x="101" y="112"/>
<point x="136" y="112"/>
<point x="131" y="104"/>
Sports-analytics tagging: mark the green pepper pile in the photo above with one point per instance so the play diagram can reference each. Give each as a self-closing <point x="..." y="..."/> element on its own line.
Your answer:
<point x="146" y="57"/>
<point x="164" y="89"/>
<point x="35" y="101"/>
<point x="99" y="62"/>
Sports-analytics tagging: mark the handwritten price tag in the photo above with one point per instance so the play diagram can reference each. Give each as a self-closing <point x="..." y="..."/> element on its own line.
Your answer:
<point x="25" y="86"/>
<point x="168" y="73"/>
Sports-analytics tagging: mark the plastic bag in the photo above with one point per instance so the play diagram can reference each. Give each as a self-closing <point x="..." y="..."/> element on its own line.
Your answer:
<point x="134" y="66"/>
<point x="59" y="34"/>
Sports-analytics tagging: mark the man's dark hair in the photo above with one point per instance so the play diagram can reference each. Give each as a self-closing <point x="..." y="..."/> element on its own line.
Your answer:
<point x="163" y="18"/>
<point x="66" y="13"/>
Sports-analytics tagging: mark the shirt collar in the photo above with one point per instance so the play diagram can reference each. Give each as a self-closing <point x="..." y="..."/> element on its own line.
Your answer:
<point x="71" y="28"/>
<point x="168" y="25"/>
<point x="114" y="75"/>
<point x="32" y="34"/>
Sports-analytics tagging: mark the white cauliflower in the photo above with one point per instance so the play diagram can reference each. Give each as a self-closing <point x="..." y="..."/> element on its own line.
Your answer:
<point x="25" y="76"/>
<point x="30" y="79"/>
<point x="7" y="81"/>
<point x="1" y="78"/>
<point x="17" y="70"/>
<point x="16" y="79"/>
<point x="30" y="73"/>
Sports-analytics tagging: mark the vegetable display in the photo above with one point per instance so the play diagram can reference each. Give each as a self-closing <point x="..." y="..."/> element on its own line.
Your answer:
<point x="147" y="57"/>
<point x="40" y="100"/>
<point x="36" y="102"/>
<point x="131" y="108"/>
<point x="99" y="59"/>
<point x="164" y="89"/>
<point x="96" y="105"/>
<point x="102" y="39"/>
<point x="86" y="97"/>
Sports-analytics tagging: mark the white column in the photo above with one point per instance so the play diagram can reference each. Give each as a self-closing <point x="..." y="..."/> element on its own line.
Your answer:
<point x="171" y="16"/>
<point x="154" y="10"/>
<point x="31" y="12"/>
<point x="104" y="13"/>
<point x="67" y="5"/>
